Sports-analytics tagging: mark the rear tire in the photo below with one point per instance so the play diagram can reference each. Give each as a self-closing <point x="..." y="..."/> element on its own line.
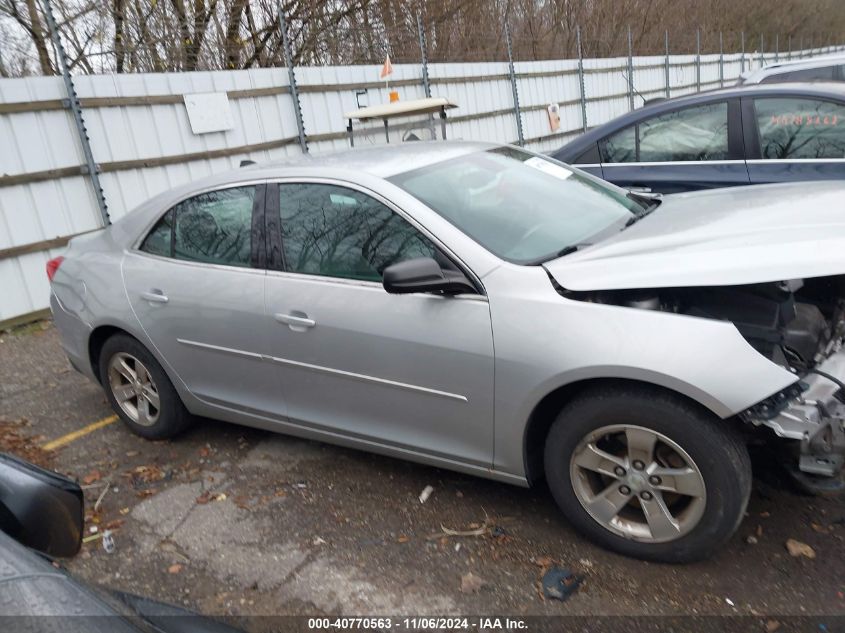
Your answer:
<point x="139" y="390"/>
<point x="647" y="474"/>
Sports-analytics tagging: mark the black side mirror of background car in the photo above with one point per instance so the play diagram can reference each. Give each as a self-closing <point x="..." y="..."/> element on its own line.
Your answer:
<point x="424" y="274"/>
<point x="40" y="509"/>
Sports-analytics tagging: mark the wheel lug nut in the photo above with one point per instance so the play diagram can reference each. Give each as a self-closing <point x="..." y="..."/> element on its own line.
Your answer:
<point x="654" y="480"/>
<point x="645" y="495"/>
<point x="638" y="465"/>
<point x="620" y="472"/>
<point x="625" y="490"/>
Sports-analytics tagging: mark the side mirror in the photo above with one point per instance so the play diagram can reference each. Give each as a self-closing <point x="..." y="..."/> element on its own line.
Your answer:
<point x="40" y="509"/>
<point x="423" y="274"/>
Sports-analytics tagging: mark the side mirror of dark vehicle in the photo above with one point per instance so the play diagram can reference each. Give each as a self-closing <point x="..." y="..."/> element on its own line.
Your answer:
<point x="40" y="509"/>
<point x="423" y="274"/>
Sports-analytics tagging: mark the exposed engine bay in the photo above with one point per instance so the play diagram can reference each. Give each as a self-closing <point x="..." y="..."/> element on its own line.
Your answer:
<point x="798" y="324"/>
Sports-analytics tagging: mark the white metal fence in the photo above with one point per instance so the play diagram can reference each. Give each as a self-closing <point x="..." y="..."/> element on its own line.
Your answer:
<point x="143" y="143"/>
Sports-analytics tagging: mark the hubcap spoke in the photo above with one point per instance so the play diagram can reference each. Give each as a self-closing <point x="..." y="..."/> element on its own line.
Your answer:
<point x="151" y="397"/>
<point x="593" y="458"/>
<point x="660" y="520"/>
<point x="608" y="503"/>
<point x="640" y="445"/>
<point x="125" y="370"/>
<point x="122" y="393"/>
<point x="144" y="414"/>
<point x="683" y="481"/>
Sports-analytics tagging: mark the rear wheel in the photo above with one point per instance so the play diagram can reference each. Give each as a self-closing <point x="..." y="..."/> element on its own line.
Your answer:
<point x="139" y="390"/>
<point x="648" y="474"/>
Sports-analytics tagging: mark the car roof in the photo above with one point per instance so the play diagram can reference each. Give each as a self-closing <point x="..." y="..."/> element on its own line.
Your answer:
<point x="795" y="64"/>
<point x="382" y="161"/>
<point x="577" y="146"/>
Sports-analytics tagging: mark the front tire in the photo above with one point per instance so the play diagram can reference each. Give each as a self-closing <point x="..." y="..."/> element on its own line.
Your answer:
<point x="647" y="474"/>
<point x="139" y="390"/>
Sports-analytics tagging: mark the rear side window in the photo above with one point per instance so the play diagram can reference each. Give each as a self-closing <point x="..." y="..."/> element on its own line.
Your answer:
<point x="699" y="133"/>
<point x="800" y="128"/>
<point x="333" y="231"/>
<point x="159" y="241"/>
<point x="213" y="227"/>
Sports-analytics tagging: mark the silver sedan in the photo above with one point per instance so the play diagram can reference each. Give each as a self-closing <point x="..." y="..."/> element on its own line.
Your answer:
<point x="486" y="309"/>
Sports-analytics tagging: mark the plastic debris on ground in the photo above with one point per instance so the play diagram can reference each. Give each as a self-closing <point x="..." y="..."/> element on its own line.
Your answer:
<point x="559" y="583"/>
<point x="426" y="493"/>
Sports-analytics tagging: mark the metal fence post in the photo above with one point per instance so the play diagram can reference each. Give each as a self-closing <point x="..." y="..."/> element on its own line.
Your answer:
<point x="742" y="56"/>
<point x="698" y="60"/>
<point x="424" y="54"/>
<point x="801" y="47"/>
<point x="666" y="65"/>
<point x="762" y="59"/>
<point x="777" y="52"/>
<point x="91" y="167"/>
<point x="581" y="79"/>
<point x="294" y="91"/>
<point x="789" y="46"/>
<point x="512" y="74"/>
<point x="630" y="69"/>
<point x="721" y="63"/>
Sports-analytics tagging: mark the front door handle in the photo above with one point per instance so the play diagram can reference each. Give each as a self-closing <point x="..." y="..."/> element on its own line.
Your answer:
<point x="639" y="189"/>
<point x="155" y="296"/>
<point x="298" y="322"/>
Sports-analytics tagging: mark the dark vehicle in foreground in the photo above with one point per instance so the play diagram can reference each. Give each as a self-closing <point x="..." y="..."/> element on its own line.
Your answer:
<point x="41" y="516"/>
<point x="745" y="135"/>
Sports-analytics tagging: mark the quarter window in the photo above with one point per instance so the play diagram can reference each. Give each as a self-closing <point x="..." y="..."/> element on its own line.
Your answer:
<point x="699" y="133"/>
<point x="213" y="227"/>
<point x="800" y="128"/>
<point x="338" y="232"/>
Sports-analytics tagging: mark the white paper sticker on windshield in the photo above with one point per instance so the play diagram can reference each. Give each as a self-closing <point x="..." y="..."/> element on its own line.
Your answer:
<point x="548" y="167"/>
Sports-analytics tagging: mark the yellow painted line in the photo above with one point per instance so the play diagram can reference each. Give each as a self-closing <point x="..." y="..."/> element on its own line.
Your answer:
<point x="75" y="435"/>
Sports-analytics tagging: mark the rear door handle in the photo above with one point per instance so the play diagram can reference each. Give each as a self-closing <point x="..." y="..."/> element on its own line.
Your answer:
<point x="295" y="321"/>
<point x="155" y="296"/>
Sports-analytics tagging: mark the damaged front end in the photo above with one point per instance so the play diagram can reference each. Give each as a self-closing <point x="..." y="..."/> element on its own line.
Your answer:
<point x="797" y="324"/>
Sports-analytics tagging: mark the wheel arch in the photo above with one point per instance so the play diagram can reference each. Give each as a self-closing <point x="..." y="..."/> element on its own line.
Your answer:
<point x="545" y="412"/>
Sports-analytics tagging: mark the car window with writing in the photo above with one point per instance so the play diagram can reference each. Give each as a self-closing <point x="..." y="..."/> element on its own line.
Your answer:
<point x="800" y="128"/>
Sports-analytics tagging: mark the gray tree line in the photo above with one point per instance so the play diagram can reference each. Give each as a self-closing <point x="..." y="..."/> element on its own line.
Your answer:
<point x="120" y="36"/>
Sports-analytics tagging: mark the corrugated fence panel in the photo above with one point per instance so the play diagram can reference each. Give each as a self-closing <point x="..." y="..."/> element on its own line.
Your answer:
<point x="142" y="140"/>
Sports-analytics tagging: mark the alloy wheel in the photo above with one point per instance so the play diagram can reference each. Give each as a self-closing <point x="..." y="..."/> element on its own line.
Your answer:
<point x="638" y="483"/>
<point x="134" y="389"/>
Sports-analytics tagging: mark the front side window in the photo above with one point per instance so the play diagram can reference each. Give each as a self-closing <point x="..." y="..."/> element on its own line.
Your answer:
<point x="213" y="227"/>
<point x="521" y="207"/>
<point x="621" y="147"/>
<point x="334" y="231"/>
<point x="691" y="134"/>
<point x="800" y="128"/>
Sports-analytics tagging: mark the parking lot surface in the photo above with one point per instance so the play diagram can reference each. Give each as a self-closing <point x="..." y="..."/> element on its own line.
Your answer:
<point x="233" y="521"/>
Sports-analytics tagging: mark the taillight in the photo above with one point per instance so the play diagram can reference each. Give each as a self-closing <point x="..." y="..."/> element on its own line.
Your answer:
<point x="53" y="266"/>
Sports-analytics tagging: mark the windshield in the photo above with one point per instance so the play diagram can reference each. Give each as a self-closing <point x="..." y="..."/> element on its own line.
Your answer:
<point x="522" y="207"/>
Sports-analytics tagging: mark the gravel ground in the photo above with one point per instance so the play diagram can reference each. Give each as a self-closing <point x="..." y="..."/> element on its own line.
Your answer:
<point x="233" y="521"/>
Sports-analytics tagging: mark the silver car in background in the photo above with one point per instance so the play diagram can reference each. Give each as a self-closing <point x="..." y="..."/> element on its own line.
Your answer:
<point x="489" y="310"/>
<point x="824" y="68"/>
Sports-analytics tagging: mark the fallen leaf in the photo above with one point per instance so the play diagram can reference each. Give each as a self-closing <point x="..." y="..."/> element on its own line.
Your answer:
<point x="92" y="477"/>
<point x="772" y="626"/>
<point x="143" y="494"/>
<point x="204" y="498"/>
<point x="797" y="548"/>
<point x="115" y="524"/>
<point x="124" y="511"/>
<point x="174" y="569"/>
<point x="821" y="529"/>
<point x="403" y="539"/>
<point x="220" y="496"/>
<point x="204" y="451"/>
<point x="470" y="583"/>
<point x="543" y="561"/>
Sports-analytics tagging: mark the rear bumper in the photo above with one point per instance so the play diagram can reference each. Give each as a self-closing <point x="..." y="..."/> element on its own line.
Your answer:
<point x="74" y="334"/>
<point x="816" y="419"/>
